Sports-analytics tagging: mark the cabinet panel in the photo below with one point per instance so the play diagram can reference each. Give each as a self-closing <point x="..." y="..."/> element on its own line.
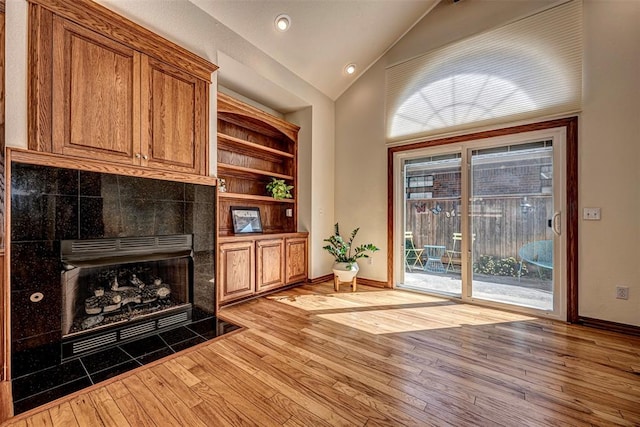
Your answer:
<point x="94" y="95"/>
<point x="174" y="118"/>
<point x="237" y="270"/>
<point x="97" y="92"/>
<point x="296" y="259"/>
<point x="270" y="264"/>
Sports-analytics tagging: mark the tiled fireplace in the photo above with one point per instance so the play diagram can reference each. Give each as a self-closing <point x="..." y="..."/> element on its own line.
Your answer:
<point x="108" y="273"/>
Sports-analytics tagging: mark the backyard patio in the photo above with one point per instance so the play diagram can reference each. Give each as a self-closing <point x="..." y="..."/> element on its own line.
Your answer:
<point x="528" y="291"/>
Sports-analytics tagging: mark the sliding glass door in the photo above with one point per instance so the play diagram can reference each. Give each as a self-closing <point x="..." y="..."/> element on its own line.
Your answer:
<point x="483" y="221"/>
<point x="513" y="222"/>
<point x="432" y="221"/>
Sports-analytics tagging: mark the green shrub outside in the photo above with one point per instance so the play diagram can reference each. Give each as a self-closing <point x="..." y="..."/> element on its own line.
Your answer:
<point x="495" y="266"/>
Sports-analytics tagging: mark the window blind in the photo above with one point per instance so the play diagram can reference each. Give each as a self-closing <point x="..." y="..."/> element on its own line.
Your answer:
<point x="526" y="69"/>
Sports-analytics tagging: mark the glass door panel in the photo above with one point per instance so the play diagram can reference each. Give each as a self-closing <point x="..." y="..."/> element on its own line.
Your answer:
<point x="511" y="217"/>
<point x="432" y="223"/>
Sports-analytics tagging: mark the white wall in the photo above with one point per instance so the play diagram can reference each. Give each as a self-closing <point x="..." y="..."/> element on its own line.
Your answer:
<point x="184" y="23"/>
<point x="609" y="149"/>
<point x="361" y="168"/>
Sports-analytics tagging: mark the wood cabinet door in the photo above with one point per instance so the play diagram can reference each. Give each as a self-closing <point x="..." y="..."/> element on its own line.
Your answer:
<point x="237" y="270"/>
<point x="95" y="95"/>
<point x="270" y="264"/>
<point x="296" y="259"/>
<point x="174" y="118"/>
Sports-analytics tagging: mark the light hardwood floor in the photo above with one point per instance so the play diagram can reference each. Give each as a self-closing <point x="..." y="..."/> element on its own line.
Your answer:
<point x="311" y="357"/>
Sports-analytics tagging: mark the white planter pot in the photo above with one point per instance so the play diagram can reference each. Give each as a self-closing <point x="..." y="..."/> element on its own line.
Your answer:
<point x="345" y="271"/>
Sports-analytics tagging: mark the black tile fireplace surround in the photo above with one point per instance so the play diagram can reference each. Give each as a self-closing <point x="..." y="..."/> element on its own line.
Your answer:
<point x="49" y="205"/>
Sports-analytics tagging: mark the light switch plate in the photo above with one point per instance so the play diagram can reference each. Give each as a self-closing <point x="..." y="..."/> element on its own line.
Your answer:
<point x="591" y="214"/>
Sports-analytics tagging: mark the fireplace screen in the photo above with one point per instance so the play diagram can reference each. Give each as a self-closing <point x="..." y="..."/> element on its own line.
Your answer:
<point x="109" y="282"/>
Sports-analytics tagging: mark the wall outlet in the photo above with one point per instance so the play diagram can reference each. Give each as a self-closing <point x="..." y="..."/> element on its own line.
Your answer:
<point x="591" y="214"/>
<point x="289" y="212"/>
<point x="370" y="261"/>
<point x="622" y="292"/>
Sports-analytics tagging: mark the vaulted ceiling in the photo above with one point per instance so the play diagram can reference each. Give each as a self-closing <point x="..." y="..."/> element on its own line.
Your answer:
<point x="325" y="35"/>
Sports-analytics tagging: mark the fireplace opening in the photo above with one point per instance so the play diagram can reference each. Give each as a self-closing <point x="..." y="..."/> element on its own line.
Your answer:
<point x="114" y="290"/>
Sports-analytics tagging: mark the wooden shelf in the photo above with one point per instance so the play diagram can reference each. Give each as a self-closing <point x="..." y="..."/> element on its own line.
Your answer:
<point x="231" y="141"/>
<point x="241" y="170"/>
<point x="234" y="111"/>
<point x="253" y="197"/>
<point x="231" y="237"/>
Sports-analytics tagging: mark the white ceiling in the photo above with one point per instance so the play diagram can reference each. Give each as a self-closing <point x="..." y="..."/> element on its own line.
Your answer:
<point x="325" y="35"/>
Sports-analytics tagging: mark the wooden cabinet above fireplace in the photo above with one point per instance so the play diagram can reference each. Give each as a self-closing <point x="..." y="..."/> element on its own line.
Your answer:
<point x="104" y="88"/>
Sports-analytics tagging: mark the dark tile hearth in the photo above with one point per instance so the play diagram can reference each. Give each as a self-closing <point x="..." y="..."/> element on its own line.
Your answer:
<point x="38" y="388"/>
<point x="177" y="335"/>
<point x="105" y="359"/>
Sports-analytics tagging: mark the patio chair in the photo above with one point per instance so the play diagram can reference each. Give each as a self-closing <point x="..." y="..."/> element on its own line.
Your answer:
<point x="538" y="253"/>
<point x="434" y="258"/>
<point x="412" y="255"/>
<point x="454" y="252"/>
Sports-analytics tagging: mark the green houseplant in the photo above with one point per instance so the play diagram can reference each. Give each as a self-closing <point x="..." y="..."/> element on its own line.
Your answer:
<point x="345" y="254"/>
<point x="279" y="189"/>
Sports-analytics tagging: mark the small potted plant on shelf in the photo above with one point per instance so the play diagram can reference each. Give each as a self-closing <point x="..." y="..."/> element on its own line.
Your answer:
<point x="279" y="189"/>
<point x="345" y="266"/>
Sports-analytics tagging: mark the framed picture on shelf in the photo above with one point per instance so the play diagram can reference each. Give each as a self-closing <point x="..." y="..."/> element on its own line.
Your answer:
<point x="246" y="219"/>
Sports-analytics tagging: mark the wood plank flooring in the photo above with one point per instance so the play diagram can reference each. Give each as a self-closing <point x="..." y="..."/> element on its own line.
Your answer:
<point x="311" y="357"/>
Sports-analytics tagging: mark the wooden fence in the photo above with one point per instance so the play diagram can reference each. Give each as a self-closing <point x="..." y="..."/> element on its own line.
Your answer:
<point x="501" y="225"/>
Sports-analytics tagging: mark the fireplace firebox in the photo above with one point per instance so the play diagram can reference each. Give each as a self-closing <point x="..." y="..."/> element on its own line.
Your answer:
<point x="118" y="289"/>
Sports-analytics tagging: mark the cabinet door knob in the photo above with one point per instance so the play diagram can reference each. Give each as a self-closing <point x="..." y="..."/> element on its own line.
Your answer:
<point x="145" y="157"/>
<point x="137" y="155"/>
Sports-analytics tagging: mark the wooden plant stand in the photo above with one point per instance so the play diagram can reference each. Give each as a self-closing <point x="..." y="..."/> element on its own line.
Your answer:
<point x="336" y="283"/>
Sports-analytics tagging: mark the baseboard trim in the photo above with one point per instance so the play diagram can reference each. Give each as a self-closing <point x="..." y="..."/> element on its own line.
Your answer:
<point x="374" y="283"/>
<point x="6" y="401"/>
<point x="361" y="281"/>
<point x="610" y="326"/>
<point x="321" y="279"/>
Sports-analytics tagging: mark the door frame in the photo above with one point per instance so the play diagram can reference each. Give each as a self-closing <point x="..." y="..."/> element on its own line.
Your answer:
<point x="571" y="187"/>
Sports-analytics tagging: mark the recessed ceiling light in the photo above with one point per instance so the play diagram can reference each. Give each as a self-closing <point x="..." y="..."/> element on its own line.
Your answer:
<point x="283" y="22"/>
<point x="350" y="69"/>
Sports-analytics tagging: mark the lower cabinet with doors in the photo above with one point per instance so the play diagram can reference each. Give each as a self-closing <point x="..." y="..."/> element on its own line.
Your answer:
<point x="256" y="264"/>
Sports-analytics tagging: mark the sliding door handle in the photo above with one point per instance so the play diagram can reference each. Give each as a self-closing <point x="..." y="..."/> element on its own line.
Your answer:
<point x="557" y="223"/>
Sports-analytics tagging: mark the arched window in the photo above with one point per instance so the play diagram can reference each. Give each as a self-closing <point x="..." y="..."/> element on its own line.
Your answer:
<point x="531" y="68"/>
<point x="459" y="99"/>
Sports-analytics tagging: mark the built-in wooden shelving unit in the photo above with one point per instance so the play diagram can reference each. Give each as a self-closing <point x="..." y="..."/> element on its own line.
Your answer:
<point x="253" y="147"/>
